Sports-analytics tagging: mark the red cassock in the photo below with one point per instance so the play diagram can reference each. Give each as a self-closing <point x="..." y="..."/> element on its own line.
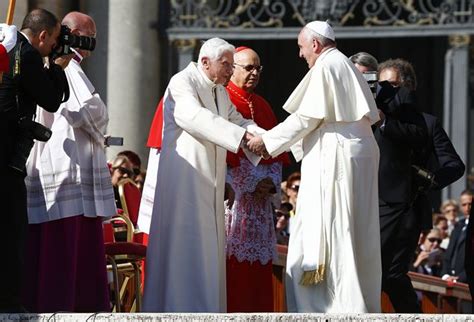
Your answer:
<point x="4" y="61"/>
<point x="249" y="284"/>
<point x="156" y="129"/>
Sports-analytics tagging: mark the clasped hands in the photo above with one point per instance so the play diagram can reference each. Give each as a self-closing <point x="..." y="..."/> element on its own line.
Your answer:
<point x="255" y="144"/>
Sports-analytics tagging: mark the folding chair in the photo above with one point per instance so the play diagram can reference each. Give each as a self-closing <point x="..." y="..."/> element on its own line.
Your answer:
<point x="124" y="258"/>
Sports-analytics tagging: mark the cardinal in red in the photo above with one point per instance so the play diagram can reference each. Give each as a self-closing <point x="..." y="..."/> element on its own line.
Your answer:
<point x="251" y="241"/>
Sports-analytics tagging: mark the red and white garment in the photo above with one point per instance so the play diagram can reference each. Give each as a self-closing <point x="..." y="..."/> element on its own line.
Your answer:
<point x="249" y="224"/>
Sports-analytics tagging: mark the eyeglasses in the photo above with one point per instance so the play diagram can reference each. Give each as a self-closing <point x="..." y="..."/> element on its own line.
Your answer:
<point x="295" y="187"/>
<point x="251" y="68"/>
<point x="433" y="239"/>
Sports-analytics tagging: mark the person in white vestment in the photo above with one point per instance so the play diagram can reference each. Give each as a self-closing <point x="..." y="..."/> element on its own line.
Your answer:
<point x="186" y="249"/>
<point x="333" y="263"/>
<point x="69" y="192"/>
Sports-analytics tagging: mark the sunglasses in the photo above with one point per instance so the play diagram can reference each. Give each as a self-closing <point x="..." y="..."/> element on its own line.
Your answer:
<point x="433" y="239"/>
<point x="251" y="68"/>
<point x="124" y="171"/>
<point x="295" y="187"/>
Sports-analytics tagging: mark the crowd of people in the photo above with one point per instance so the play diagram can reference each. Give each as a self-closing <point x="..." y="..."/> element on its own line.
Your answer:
<point x="356" y="218"/>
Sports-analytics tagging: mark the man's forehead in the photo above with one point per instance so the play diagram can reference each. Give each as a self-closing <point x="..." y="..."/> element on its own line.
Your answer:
<point x="247" y="55"/>
<point x="226" y="56"/>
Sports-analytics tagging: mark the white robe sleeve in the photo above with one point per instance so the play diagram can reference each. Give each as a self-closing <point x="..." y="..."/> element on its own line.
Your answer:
<point x="200" y="122"/>
<point x="289" y="132"/>
<point x="91" y="117"/>
<point x="84" y="110"/>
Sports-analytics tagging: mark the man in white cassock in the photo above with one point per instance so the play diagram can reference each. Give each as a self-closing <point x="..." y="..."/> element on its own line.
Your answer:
<point x="69" y="193"/>
<point x="186" y="258"/>
<point x="333" y="262"/>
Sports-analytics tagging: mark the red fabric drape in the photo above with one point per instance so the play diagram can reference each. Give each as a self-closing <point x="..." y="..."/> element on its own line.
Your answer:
<point x="4" y="60"/>
<point x="156" y="129"/>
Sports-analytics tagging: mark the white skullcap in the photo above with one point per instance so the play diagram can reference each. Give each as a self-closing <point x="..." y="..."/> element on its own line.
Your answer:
<point x="322" y="28"/>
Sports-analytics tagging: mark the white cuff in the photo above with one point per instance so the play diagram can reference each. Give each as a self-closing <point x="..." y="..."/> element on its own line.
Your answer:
<point x="8" y="33"/>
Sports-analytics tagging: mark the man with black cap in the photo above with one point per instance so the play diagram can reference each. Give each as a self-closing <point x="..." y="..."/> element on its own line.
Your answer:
<point x="333" y="260"/>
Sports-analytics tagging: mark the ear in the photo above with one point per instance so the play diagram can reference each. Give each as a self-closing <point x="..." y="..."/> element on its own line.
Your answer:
<point x="315" y="46"/>
<point x="42" y="35"/>
<point x="205" y="62"/>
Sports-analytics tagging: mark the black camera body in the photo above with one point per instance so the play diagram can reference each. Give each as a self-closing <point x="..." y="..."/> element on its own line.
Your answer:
<point x="372" y="79"/>
<point x="28" y="131"/>
<point x="67" y="40"/>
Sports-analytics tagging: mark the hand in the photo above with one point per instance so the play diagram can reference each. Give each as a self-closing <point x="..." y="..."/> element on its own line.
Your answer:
<point x="381" y="115"/>
<point x="229" y="195"/>
<point x="247" y="136"/>
<point x="263" y="188"/>
<point x="422" y="256"/>
<point x="452" y="279"/>
<point x="63" y="61"/>
<point x="257" y="146"/>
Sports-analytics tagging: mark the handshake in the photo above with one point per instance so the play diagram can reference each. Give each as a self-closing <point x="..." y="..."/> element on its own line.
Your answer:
<point x="255" y="144"/>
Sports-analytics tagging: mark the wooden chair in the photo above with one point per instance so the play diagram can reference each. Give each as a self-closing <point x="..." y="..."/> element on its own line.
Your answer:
<point x="124" y="259"/>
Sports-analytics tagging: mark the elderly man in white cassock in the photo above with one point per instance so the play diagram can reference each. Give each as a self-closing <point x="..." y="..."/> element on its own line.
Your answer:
<point x="186" y="249"/>
<point x="333" y="262"/>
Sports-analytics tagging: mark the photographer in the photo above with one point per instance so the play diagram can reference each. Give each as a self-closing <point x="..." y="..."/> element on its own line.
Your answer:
<point x="27" y="84"/>
<point x="406" y="138"/>
<point x="69" y="192"/>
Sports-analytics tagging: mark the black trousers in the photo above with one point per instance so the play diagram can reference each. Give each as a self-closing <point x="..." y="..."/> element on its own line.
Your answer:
<point x="14" y="221"/>
<point x="399" y="233"/>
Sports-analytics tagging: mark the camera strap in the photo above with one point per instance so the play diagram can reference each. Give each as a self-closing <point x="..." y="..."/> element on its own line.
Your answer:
<point x="16" y="79"/>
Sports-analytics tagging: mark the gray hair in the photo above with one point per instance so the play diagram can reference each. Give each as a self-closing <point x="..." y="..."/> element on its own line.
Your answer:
<point x="311" y="34"/>
<point x="366" y="60"/>
<point x="214" y="48"/>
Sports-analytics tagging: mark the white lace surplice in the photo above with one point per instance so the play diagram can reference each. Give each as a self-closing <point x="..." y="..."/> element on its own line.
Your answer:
<point x="249" y="224"/>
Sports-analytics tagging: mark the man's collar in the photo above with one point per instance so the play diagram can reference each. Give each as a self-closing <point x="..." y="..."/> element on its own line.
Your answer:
<point x="206" y="79"/>
<point x="77" y="56"/>
<point x="26" y="36"/>
<point x="239" y="90"/>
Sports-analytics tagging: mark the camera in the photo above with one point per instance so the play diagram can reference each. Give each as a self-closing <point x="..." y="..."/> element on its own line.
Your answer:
<point x="28" y="131"/>
<point x="113" y="140"/>
<point x="371" y="79"/>
<point x="67" y="40"/>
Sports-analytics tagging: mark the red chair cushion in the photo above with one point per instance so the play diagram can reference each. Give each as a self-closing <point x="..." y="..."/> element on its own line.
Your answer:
<point x="125" y="248"/>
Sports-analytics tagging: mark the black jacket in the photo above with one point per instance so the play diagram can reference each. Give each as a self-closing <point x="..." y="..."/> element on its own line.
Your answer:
<point x="443" y="159"/>
<point x="453" y="262"/>
<point x="34" y="84"/>
<point x="399" y="138"/>
<point x="440" y="158"/>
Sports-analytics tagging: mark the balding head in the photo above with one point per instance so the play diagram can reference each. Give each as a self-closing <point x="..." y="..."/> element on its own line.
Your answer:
<point x="82" y="25"/>
<point x="78" y="20"/>
<point x="247" y="69"/>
